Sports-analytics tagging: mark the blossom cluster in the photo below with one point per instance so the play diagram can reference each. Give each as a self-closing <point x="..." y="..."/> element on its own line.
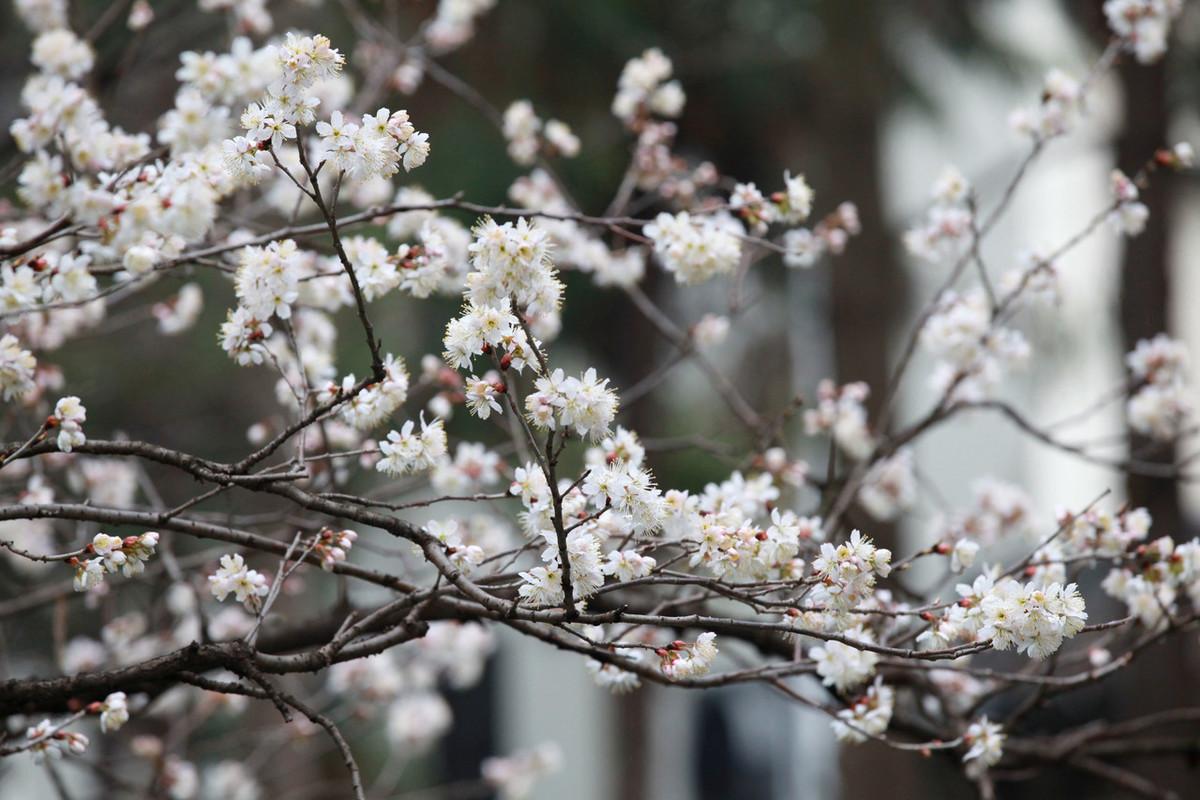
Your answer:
<point x="113" y="554"/>
<point x="844" y="666"/>
<point x="869" y="715"/>
<point x="793" y="205"/>
<point x="949" y="223"/>
<point x="1152" y="583"/>
<point x="840" y="413"/>
<point x="1130" y="215"/>
<point x="373" y="404"/>
<point x="1057" y="112"/>
<point x="300" y="62"/>
<point x="1034" y="618"/>
<point x="515" y="776"/>
<point x="17" y="367"/>
<point x="380" y="146"/>
<point x="848" y="570"/>
<point x="584" y="404"/>
<point x="465" y="556"/>
<point x="803" y="247"/>
<point x="973" y="353"/>
<point x="688" y="660"/>
<point x="1159" y="406"/>
<point x="696" y="250"/>
<point x="68" y="418"/>
<point x="333" y="546"/>
<point x="527" y="134"/>
<point x="1143" y="25"/>
<point x="407" y="451"/>
<point x="50" y="742"/>
<point x="248" y="586"/>
<point x="645" y="87"/>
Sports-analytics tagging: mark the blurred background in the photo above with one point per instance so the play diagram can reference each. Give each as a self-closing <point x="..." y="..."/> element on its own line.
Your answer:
<point x="869" y="99"/>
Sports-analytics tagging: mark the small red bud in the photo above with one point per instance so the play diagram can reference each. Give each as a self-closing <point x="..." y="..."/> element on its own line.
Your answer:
<point x="487" y="349"/>
<point x="1030" y="571"/>
<point x="942" y="548"/>
<point x="95" y="707"/>
<point x="506" y="361"/>
<point x="927" y="616"/>
<point x="761" y="536"/>
<point x="679" y="644"/>
<point x="500" y="387"/>
<point x="793" y="612"/>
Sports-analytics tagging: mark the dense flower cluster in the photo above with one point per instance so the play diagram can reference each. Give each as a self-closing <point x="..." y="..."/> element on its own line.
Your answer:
<point x="68" y="418"/>
<point x="584" y="404"/>
<point x="683" y="660"/>
<point x="1057" y="112"/>
<point x="527" y="134"/>
<point x="113" y="554"/>
<point x="1159" y="406"/>
<point x="848" y="571"/>
<point x="515" y="776"/>
<point x="973" y="354"/>
<point x="696" y="250"/>
<point x="985" y="741"/>
<point x="843" y="666"/>
<point x="840" y="413"/>
<point x="1143" y="25"/>
<point x="1034" y="618"/>
<point x="645" y="87"/>
<point x="407" y="451"/>
<point x="949" y="224"/>
<point x="869" y="715"/>
<point x="50" y="742"/>
<point x="247" y="585"/>
<point x="16" y="368"/>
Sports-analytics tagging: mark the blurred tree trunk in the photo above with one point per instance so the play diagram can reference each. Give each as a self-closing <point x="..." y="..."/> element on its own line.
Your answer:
<point x="1145" y="266"/>
<point x="869" y="285"/>
<point x="1145" y="305"/>
<point x="868" y="282"/>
